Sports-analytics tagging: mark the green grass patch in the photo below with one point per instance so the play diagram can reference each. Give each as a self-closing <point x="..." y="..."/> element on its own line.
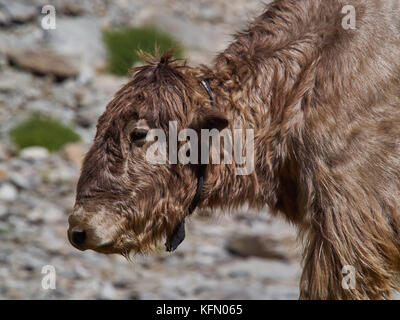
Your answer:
<point x="40" y="130"/>
<point x="123" y="43"/>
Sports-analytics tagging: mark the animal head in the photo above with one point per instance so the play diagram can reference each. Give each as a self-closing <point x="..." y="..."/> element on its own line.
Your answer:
<point x="124" y="203"/>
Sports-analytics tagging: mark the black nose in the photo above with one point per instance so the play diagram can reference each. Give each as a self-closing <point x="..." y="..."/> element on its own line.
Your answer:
<point x="78" y="237"/>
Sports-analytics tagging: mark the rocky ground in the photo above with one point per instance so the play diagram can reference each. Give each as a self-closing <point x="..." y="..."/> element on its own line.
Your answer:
<point x="244" y="255"/>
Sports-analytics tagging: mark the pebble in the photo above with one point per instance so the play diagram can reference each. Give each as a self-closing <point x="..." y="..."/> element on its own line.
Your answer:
<point x="28" y="179"/>
<point x="3" y="210"/>
<point x="8" y="192"/>
<point x="16" y="12"/>
<point x="34" y="153"/>
<point x="107" y="292"/>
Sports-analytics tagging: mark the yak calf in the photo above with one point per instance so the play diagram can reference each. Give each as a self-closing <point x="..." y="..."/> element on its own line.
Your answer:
<point x="323" y="100"/>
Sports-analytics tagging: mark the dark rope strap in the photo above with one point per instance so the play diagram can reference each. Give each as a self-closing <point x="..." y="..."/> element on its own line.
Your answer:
<point x="178" y="235"/>
<point x="206" y="84"/>
<point x="197" y="196"/>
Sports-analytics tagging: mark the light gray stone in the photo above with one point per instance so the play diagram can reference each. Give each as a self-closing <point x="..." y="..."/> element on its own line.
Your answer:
<point x="8" y="192"/>
<point x="261" y="269"/>
<point x="26" y="180"/>
<point x="80" y="37"/>
<point x="3" y="210"/>
<point x="51" y="108"/>
<point x="107" y="292"/>
<point x="193" y="35"/>
<point x="34" y="153"/>
<point x="12" y="80"/>
<point x="17" y="11"/>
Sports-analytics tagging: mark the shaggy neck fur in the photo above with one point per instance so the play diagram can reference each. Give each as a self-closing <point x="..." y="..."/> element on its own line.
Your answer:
<point x="260" y="82"/>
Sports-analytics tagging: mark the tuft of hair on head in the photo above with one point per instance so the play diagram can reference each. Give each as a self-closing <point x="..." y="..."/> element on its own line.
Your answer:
<point x="158" y="61"/>
<point x="166" y="58"/>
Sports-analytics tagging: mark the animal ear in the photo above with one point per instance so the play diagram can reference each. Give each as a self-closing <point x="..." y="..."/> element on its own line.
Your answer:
<point x="206" y="118"/>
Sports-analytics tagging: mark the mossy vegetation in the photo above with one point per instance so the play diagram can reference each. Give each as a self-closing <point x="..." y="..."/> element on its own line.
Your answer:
<point x="124" y="43"/>
<point x="43" y="131"/>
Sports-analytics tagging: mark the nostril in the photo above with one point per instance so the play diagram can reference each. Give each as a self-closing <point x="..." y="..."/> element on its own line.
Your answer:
<point x="78" y="237"/>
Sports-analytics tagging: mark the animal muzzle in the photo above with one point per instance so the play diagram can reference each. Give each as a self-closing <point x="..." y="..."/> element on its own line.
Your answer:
<point x="84" y="234"/>
<point x="78" y="235"/>
<point x="77" y="238"/>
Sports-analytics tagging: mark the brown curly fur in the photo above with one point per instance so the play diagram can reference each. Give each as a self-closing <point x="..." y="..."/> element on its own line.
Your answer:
<point x="325" y="106"/>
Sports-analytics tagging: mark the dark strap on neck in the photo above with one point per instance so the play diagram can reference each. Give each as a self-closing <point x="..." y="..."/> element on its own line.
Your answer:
<point x="178" y="235"/>
<point x="199" y="191"/>
<point x="206" y="84"/>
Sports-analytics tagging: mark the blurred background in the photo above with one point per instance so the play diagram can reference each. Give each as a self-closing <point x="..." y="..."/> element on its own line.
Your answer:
<point x="54" y="84"/>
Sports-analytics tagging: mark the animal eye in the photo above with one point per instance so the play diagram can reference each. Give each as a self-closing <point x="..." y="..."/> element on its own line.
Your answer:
<point x="138" y="136"/>
<point x="140" y="97"/>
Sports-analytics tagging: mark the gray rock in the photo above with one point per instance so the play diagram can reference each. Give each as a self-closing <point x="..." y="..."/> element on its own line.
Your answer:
<point x="63" y="174"/>
<point x="43" y="62"/>
<point x="51" y="108"/>
<point x="107" y="292"/>
<point x="255" y="268"/>
<point x="3" y="210"/>
<point x="256" y="246"/>
<point x="13" y="80"/>
<point x="80" y="37"/>
<point x="16" y="11"/>
<point x="86" y="75"/>
<point x="45" y="212"/>
<point x="4" y="18"/>
<point x="210" y="14"/>
<point x="281" y="292"/>
<point x="65" y="96"/>
<point x="81" y="272"/>
<point x="252" y="291"/>
<point x="193" y="35"/>
<point x="4" y="228"/>
<point x="26" y="180"/>
<point x="28" y="36"/>
<point x="8" y="192"/>
<point x="34" y="153"/>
